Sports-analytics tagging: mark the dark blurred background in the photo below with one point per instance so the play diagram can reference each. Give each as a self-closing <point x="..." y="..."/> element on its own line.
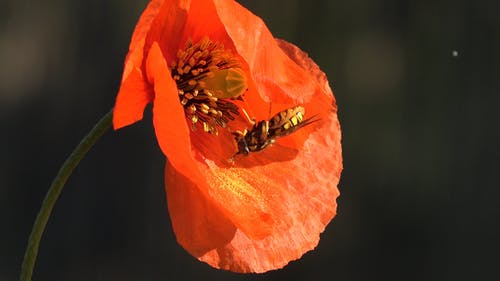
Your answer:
<point x="417" y="84"/>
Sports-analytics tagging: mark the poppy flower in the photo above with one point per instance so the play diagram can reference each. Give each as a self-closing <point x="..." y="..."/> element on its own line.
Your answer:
<point x="206" y="65"/>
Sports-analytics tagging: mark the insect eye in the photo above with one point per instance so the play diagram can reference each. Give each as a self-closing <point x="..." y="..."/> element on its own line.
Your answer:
<point x="226" y="83"/>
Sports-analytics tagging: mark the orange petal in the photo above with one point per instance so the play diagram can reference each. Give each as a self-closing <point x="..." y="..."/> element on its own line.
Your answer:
<point x="135" y="93"/>
<point x="305" y="62"/>
<point x="240" y="201"/>
<point x="143" y="28"/>
<point x="197" y="224"/>
<point x="202" y="21"/>
<point x="170" y="125"/>
<point x="299" y="195"/>
<point x="277" y="77"/>
<point x="168" y="26"/>
<point x="132" y="98"/>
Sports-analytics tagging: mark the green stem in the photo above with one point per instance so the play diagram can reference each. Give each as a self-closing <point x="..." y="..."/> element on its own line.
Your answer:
<point x="55" y="190"/>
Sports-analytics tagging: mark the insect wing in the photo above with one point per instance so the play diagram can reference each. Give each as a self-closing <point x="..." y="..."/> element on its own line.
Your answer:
<point x="289" y="121"/>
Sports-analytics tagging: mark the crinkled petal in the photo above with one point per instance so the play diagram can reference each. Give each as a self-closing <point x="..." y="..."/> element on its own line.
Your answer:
<point x="199" y="225"/>
<point x="171" y="129"/>
<point x="300" y="195"/>
<point x="202" y="21"/>
<point x="132" y="98"/>
<point x="163" y="22"/>
<point x="135" y="93"/>
<point x="277" y="77"/>
<point x="306" y="63"/>
<point x="142" y="29"/>
<point x="168" y="26"/>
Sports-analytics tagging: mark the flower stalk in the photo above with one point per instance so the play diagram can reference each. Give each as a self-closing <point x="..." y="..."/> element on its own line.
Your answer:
<point x="55" y="190"/>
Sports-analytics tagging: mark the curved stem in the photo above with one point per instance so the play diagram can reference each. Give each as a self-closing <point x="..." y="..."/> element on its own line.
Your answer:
<point x="55" y="190"/>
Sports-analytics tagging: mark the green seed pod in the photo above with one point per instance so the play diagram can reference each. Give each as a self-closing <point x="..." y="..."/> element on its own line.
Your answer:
<point x="226" y="83"/>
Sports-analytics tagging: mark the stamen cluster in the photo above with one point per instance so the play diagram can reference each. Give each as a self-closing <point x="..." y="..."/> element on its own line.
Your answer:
<point x="195" y="63"/>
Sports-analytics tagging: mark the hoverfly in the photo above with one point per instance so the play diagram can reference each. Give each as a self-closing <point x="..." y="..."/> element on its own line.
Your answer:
<point x="265" y="132"/>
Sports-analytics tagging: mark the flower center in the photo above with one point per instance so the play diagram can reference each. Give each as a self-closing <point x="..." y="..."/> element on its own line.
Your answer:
<point x="208" y="78"/>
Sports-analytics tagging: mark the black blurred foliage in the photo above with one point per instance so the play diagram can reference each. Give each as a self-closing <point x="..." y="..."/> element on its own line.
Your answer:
<point x="417" y="88"/>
